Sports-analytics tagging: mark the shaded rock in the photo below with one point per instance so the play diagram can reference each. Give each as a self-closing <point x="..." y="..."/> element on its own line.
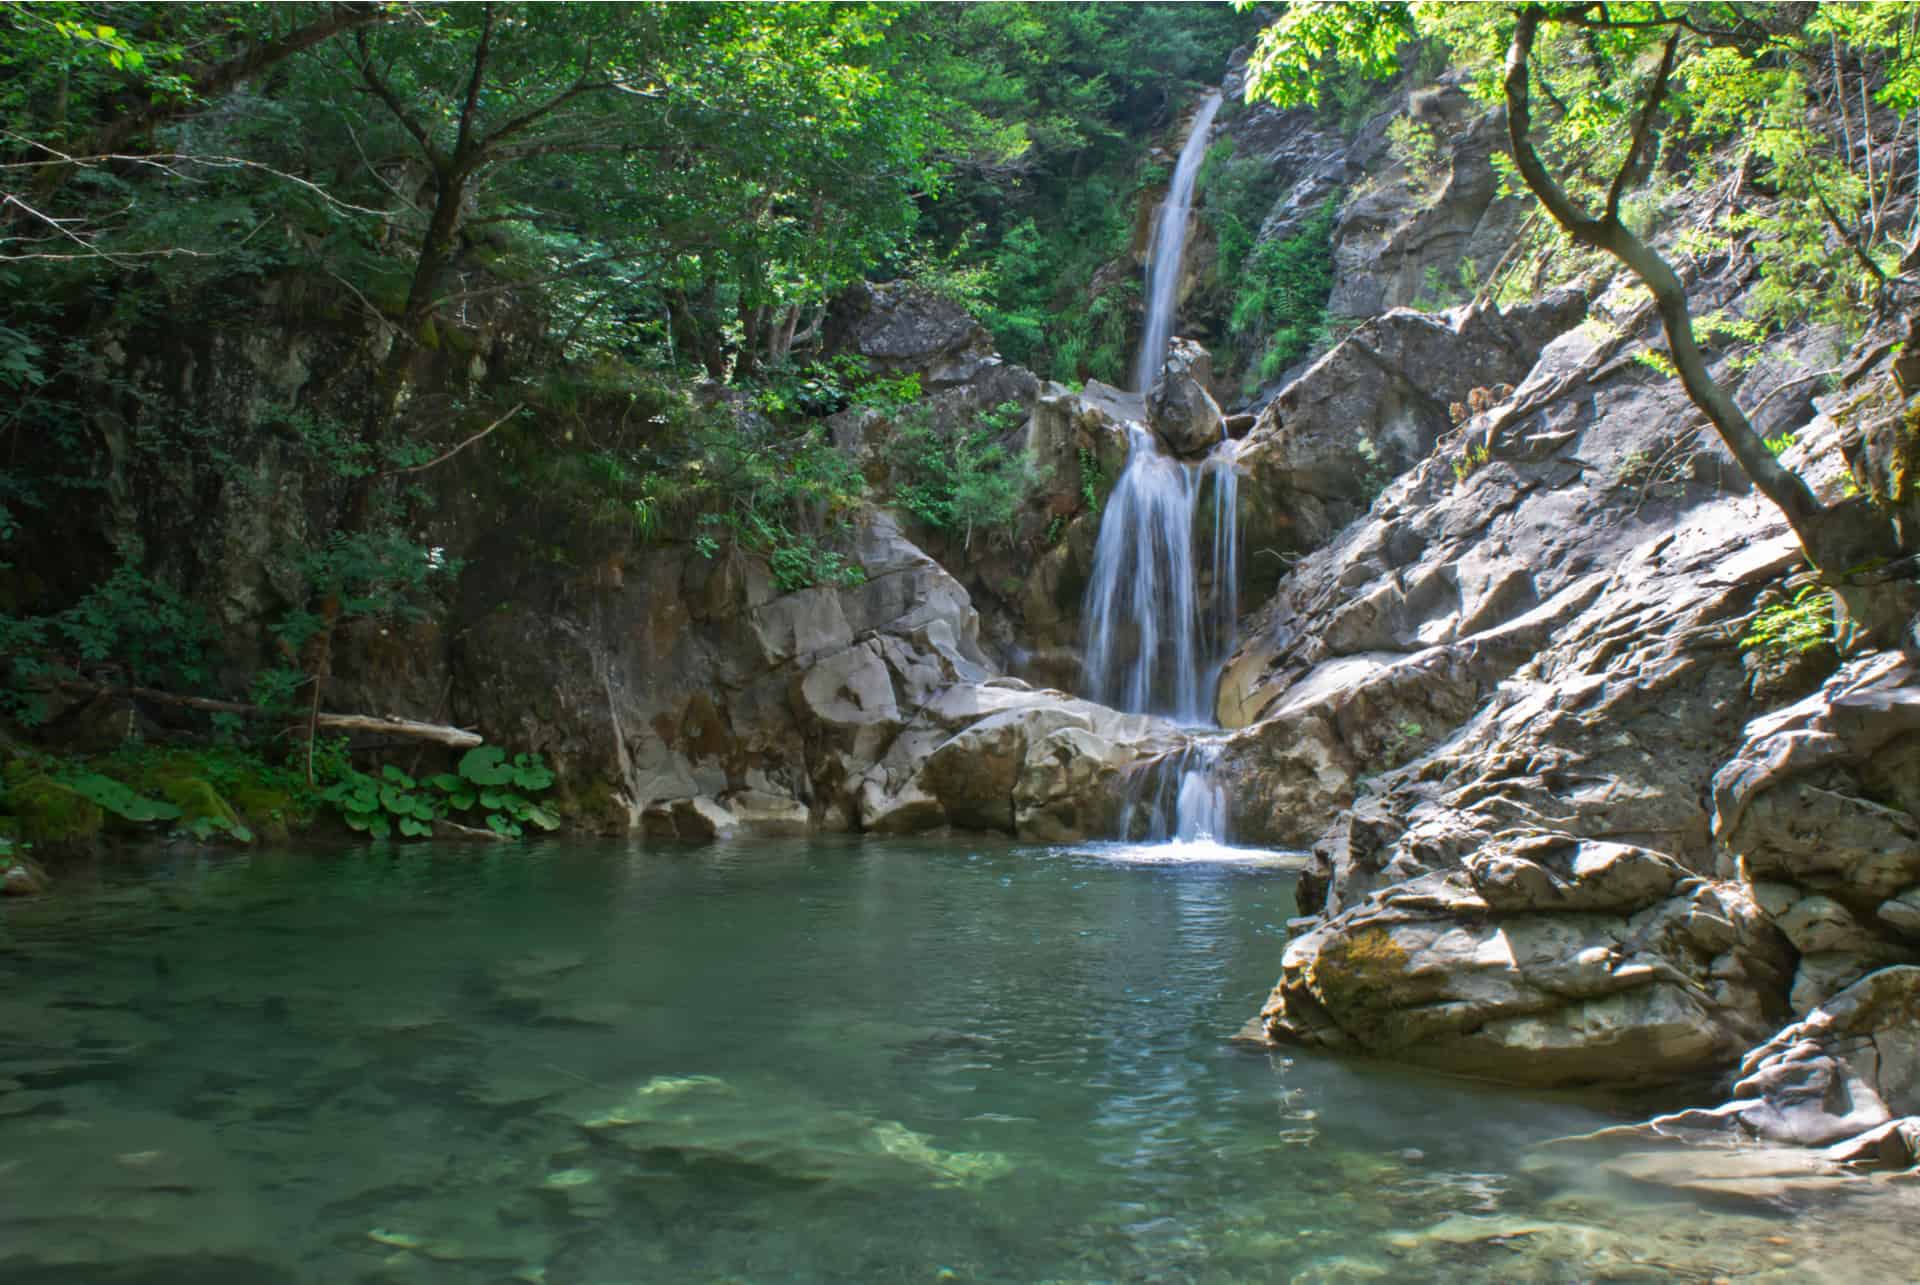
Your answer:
<point x="697" y="819"/>
<point x="20" y="877"/>
<point x="902" y="328"/>
<point x="1849" y="1065"/>
<point x="700" y="680"/>
<point x="1180" y="408"/>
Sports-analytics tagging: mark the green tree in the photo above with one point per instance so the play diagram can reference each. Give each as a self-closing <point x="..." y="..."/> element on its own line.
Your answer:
<point x="1642" y="74"/>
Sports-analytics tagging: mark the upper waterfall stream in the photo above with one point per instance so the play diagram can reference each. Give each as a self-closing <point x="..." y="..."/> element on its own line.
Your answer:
<point x="1169" y="249"/>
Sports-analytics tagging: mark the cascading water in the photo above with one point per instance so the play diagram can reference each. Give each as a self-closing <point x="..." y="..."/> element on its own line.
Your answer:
<point x="1169" y="248"/>
<point x="1178" y="798"/>
<point x="1161" y="602"/>
<point x="1154" y="641"/>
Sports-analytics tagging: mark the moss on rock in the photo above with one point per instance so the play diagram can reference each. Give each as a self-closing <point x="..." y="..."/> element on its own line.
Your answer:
<point x="55" y="819"/>
<point x="202" y="810"/>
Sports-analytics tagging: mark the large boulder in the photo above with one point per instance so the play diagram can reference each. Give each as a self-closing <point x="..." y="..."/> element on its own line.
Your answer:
<point x="1821" y="806"/>
<point x="900" y="328"/>
<point x="1542" y="960"/>
<point x="1180" y="406"/>
<point x="1004" y="756"/>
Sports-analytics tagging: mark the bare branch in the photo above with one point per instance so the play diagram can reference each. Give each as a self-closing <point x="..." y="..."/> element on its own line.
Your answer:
<point x="432" y="463"/>
<point x="469" y="108"/>
<point x="1644" y="126"/>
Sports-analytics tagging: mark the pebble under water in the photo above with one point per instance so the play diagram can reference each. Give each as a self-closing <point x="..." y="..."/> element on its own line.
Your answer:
<point x="781" y="1061"/>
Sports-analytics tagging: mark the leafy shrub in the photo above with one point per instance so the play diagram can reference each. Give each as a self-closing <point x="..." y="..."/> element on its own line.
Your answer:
<point x="1281" y="304"/>
<point x="963" y="480"/>
<point x="489" y="788"/>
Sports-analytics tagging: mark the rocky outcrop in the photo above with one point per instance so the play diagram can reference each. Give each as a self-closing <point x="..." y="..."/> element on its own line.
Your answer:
<point x="1180" y="409"/>
<point x="1369" y="410"/>
<point x="1821" y="806"/>
<point x="1529" y="647"/>
<point x="1543" y="958"/>
<point x="900" y="328"/>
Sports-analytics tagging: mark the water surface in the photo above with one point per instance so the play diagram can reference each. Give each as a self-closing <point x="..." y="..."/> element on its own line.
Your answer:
<point x="795" y="1061"/>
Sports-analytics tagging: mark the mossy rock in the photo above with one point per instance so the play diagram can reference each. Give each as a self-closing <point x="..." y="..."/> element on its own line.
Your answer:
<point x="53" y="818"/>
<point x="597" y="807"/>
<point x="203" y="812"/>
<point x="271" y="813"/>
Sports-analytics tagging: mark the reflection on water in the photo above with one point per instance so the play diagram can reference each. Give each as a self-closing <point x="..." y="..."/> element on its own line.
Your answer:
<point x="793" y="1061"/>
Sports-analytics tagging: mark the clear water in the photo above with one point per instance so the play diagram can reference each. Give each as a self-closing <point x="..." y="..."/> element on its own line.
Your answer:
<point x="799" y="1061"/>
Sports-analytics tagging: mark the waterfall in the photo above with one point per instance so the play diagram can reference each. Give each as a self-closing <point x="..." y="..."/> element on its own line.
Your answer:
<point x="1178" y="798"/>
<point x="1162" y="598"/>
<point x="1169" y="247"/>
<point x="1154" y="642"/>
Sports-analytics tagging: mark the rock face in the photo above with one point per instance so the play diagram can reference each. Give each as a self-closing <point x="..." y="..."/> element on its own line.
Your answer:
<point x="1821" y="805"/>
<point x="1371" y="409"/>
<point x="1549" y="529"/>
<point x="1180" y="409"/>
<point x="1530" y="642"/>
<point x="1410" y="233"/>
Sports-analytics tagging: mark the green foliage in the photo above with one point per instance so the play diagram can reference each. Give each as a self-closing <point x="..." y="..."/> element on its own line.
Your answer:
<point x="1778" y="446"/>
<point x="1093" y="481"/>
<point x="1281" y="304"/>
<point x="1468" y="461"/>
<point x="965" y="479"/>
<point x="1415" y="145"/>
<point x="1315" y="39"/>
<point x="488" y="789"/>
<point x="812" y="389"/>
<point x="1787" y="629"/>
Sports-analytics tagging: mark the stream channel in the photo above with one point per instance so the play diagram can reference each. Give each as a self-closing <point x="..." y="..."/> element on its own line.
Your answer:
<point x="806" y="1060"/>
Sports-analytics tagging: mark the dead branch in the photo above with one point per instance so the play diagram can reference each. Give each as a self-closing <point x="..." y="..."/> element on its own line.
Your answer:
<point x="458" y="738"/>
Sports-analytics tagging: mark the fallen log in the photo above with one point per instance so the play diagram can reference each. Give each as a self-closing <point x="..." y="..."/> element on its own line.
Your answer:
<point x="458" y="738"/>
